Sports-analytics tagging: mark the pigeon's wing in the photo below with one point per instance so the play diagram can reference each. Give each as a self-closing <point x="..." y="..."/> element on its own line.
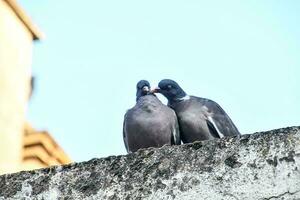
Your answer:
<point x="213" y="128"/>
<point x="225" y="126"/>
<point x="175" y="132"/>
<point x="218" y="121"/>
<point x="124" y="134"/>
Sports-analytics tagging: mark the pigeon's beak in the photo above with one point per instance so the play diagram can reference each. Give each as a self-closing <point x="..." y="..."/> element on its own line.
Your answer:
<point x="146" y="89"/>
<point x="155" y="90"/>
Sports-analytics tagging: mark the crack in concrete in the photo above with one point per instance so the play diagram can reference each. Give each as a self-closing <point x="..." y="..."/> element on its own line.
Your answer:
<point x="281" y="195"/>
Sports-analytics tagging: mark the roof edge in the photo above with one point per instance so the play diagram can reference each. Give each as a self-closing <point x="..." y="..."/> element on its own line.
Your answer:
<point x="21" y="14"/>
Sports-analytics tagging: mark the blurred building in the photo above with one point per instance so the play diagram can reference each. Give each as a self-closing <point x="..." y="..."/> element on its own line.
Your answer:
<point x="40" y="150"/>
<point x="21" y="147"/>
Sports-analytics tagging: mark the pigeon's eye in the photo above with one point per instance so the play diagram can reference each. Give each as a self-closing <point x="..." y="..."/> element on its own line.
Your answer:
<point x="169" y="86"/>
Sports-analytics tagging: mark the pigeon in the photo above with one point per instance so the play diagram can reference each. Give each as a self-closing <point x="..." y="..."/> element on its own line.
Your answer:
<point x="199" y="118"/>
<point x="149" y="123"/>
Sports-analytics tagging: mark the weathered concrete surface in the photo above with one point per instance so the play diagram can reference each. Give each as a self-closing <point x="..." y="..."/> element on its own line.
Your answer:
<point x="258" y="166"/>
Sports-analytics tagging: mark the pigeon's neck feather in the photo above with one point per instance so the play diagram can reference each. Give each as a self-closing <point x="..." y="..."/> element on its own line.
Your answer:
<point x="186" y="97"/>
<point x="148" y="101"/>
<point x="177" y="100"/>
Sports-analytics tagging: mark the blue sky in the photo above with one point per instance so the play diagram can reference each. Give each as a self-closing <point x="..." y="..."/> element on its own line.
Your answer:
<point x="242" y="54"/>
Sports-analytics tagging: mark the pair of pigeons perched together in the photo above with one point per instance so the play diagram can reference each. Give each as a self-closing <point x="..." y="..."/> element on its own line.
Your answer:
<point x="150" y="123"/>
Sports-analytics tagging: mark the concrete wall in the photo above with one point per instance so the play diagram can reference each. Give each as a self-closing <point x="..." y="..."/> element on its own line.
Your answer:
<point x="15" y="62"/>
<point x="261" y="166"/>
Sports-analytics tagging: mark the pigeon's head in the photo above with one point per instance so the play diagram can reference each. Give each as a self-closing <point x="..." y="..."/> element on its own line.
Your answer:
<point x="170" y="89"/>
<point x="142" y="88"/>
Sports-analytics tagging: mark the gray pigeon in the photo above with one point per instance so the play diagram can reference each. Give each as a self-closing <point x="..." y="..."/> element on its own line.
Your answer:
<point x="149" y="123"/>
<point x="199" y="118"/>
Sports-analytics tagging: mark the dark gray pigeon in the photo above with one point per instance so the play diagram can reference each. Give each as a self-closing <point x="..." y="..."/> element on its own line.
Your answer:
<point x="149" y="123"/>
<point x="199" y="118"/>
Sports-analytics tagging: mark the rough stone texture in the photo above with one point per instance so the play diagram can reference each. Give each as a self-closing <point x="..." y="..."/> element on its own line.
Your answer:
<point x="258" y="166"/>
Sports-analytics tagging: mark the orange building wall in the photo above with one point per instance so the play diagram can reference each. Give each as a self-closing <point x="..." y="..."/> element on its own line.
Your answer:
<point x="40" y="150"/>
